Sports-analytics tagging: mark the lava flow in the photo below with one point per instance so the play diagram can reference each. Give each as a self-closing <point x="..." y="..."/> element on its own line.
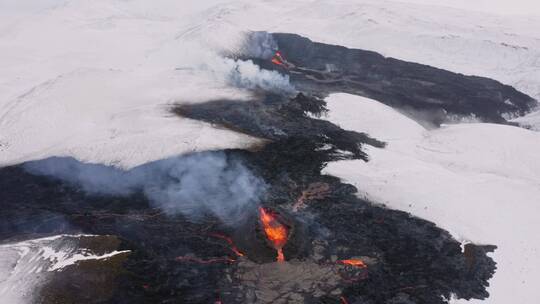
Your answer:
<point x="276" y="232"/>
<point x="230" y="241"/>
<point x="214" y="260"/>
<point x="279" y="60"/>
<point x="353" y="262"/>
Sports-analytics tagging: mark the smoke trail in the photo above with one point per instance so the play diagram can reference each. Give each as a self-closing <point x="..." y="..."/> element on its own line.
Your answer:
<point x="227" y="67"/>
<point x="192" y="185"/>
<point x="259" y="45"/>
<point x="246" y="75"/>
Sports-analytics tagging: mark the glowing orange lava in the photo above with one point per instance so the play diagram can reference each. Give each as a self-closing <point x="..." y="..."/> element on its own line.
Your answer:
<point x="279" y="60"/>
<point x="276" y="232"/>
<point x="230" y="241"/>
<point x="276" y="61"/>
<point x="353" y="262"/>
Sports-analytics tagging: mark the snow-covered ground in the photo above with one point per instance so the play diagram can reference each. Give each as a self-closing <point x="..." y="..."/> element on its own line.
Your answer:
<point x="91" y="79"/>
<point x="94" y="79"/>
<point x="481" y="182"/>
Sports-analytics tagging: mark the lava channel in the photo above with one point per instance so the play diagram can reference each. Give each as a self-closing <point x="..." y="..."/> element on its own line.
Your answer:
<point x="276" y="232"/>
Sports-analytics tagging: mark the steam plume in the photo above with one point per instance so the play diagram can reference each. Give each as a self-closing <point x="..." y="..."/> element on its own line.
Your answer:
<point x="192" y="185"/>
<point x="244" y="74"/>
<point x="259" y="45"/>
<point x="247" y="75"/>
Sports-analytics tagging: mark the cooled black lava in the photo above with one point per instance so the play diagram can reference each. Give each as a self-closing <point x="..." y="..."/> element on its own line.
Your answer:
<point x="427" y="93"/>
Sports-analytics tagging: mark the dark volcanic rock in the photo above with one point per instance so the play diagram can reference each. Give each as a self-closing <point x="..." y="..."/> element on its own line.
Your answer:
<point x="174" y="259"/>
<point x="425" y="92"/>
<point x="276" y="117"/>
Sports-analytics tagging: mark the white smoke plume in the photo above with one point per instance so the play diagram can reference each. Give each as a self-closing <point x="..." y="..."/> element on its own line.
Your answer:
<point x="259" y="45"/>
<point x="225" y="67"/>
<point x="192" y="185"/>
<point x="247" y="75"/>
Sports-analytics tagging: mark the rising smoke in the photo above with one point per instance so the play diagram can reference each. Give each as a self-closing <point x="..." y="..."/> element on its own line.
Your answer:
<point x="259" y="45"/>
<point x="193" y="185"/>
<point x="247" y="75"/>
<point x="234" y="67"/>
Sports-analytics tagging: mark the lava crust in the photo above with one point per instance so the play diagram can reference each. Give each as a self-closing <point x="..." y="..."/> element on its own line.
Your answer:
<point x="428" y="94"/>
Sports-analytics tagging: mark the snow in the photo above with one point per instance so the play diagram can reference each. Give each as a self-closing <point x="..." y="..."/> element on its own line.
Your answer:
<point x="107" y="117"/>
<point x="502" y="7"/>
<point x="481" y="182"/>
<point x="94" y="81"/>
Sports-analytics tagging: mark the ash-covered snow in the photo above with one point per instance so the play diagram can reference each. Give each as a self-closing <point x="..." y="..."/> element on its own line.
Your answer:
<point x="481" y="182"/>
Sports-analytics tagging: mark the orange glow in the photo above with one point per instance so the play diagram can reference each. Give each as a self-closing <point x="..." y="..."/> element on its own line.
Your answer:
<point x="353" y="262"/>
<point x="276" y="61"/>
<point x="280" y="256"/>
<point x="230" y="241"/>
<point x="276" y="232"/>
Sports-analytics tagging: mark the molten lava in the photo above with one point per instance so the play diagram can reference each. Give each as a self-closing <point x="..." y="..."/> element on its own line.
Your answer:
<point x="230" y="241"/>
<point x="353" y="262"/>
<point x="279" y="60"/>
<point x="276" y="61"/>
<point x="276" y="232"/>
